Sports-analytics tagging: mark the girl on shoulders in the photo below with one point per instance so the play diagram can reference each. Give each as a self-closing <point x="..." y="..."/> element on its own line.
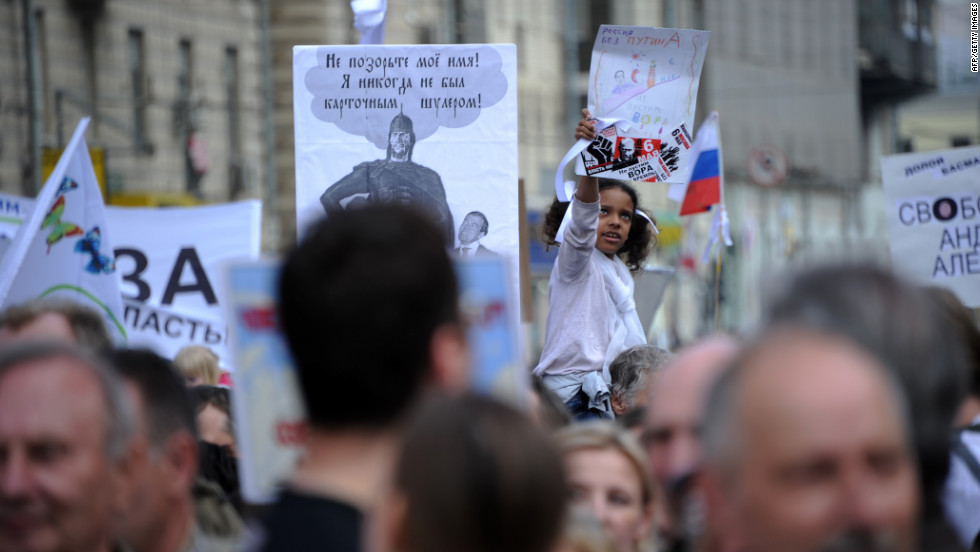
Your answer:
<point x="592" y="316"/>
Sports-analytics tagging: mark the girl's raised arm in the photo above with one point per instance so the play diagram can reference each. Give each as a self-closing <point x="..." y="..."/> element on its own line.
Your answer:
<point x="587" y="190"/>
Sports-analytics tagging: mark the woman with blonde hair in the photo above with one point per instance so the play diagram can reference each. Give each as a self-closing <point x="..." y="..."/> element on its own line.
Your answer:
<point x="199" y="365"/>
<point x="607" y="473"/>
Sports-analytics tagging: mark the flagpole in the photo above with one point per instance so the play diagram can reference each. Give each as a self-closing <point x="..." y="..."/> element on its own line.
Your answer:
<point x="721" y="227"/>
<point x="721" y="244"/>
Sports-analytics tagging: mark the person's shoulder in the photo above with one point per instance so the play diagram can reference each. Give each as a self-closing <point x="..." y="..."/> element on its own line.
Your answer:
<point x="300" y="521"/>
<point x="294" y="505"/>
<point x="214" y="513"/>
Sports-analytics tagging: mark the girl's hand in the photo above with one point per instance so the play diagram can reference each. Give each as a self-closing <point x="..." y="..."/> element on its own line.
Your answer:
<point x="585" y="128"/>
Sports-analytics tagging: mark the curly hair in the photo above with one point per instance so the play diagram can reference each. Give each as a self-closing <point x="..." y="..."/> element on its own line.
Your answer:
<point x="639" y="242"/>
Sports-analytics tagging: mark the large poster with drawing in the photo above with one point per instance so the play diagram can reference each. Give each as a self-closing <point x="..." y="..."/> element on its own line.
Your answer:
<point x="433" y="126"/>
<point x="647" y="80"/>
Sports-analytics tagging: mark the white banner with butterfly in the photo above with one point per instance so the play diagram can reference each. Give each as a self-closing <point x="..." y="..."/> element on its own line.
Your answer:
<point x="168" y="260"/>
<point x="63" y="248"/>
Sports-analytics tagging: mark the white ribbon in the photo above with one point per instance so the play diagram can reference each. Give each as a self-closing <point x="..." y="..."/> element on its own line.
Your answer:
<point x="568" y="189"/>
<point x="653" y="227"/>
<point x="720" y="220"/>
<point x="369" y="18"/>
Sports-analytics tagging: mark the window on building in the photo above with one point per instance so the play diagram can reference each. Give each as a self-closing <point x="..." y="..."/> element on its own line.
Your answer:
<point x="787" y="25"/>
<point x="184" y="81"/>
<point x="137" y="75"/>
<point x="520" y="38"/>
<point x="910" y="19"/>
<point x="959" y="141"/>
<point x="425" y="34"/>
<point x="44" y="71"/>
<point x="187" y="117"/>
<point x="185" y="70"/>
<point x="236" y="180"/>
<point x="591" y="16"/>
<point x="469" y="21"/>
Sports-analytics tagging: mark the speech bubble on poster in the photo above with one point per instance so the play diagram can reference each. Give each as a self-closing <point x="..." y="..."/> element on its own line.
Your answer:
<point x="360" y="89"/>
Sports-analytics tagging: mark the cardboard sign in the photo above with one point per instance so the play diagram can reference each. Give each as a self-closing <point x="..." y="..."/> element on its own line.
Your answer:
<point x="647" y="80"/>
<point x="932" y="200"/>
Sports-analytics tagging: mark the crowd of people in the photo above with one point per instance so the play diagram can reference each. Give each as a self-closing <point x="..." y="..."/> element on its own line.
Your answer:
<point x="848" y="421"/>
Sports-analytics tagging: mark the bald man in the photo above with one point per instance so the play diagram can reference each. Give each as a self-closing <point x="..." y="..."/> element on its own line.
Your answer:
<point x="64" y="471"/>
<point x="673" y="423"/>
<point x="807" y="448"/>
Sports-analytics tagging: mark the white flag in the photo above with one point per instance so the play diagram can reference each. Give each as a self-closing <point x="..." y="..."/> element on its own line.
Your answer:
<point x="63" y="248"/>
<point x="369" y="18"/>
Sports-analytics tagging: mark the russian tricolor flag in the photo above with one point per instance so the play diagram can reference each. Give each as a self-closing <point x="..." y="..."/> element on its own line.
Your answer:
<point x="704" y="184"/>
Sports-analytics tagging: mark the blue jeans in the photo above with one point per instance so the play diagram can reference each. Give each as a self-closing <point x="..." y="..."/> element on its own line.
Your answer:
<point x="578" y="405"/>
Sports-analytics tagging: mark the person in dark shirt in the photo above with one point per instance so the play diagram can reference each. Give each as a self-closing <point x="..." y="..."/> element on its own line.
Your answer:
<point x="359" y="278"/>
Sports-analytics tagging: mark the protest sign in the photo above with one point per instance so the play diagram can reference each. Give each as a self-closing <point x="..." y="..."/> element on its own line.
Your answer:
<point x="488" y="305"/>
<point x="433" y="126"/>
<point x="269" y="428"/>
<point x="932" y="200"/>
<point x="169" y="261"/>
<point x="643" y="82"/>
<point x="13" y="210"/>
<point x="63" y="248"/>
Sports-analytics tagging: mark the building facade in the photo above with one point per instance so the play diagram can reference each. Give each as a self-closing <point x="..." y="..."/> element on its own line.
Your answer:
<point x="192" y="102"/>
<point x="173" y="88"/>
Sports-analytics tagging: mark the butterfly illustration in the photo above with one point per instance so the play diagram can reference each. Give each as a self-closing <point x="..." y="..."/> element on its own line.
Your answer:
<point x="58" y="229"/>
<point x="67" y="185"/>
<point x="90" y="244"/>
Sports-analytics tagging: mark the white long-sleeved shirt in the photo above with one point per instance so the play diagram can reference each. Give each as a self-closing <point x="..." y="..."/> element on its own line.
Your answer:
<point x="577" y="330"/>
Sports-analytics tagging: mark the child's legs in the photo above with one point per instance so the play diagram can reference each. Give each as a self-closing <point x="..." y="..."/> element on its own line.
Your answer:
<point x="578" y="405"/>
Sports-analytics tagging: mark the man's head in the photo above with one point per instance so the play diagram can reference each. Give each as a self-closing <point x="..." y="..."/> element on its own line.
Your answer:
<point x="627" y="149"/>
<point x="630" y="374"/>
<point x="64" y="424"/>
<point x="675" y="408"/>
<point x="808" y="448"/>
<point x="495" y="483"/>
<point x="473" y="228"/>
<point x="55" y="319"/>
<point x="401" y="138"/>
<point x="673" y="425"/>
<point x="164" y="451"/>
<point x="907" y="330"/>
<point x="368" y="305"/>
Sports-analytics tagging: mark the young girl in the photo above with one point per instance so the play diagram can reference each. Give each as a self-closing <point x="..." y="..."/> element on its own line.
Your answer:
<point x="592" y="316"/>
